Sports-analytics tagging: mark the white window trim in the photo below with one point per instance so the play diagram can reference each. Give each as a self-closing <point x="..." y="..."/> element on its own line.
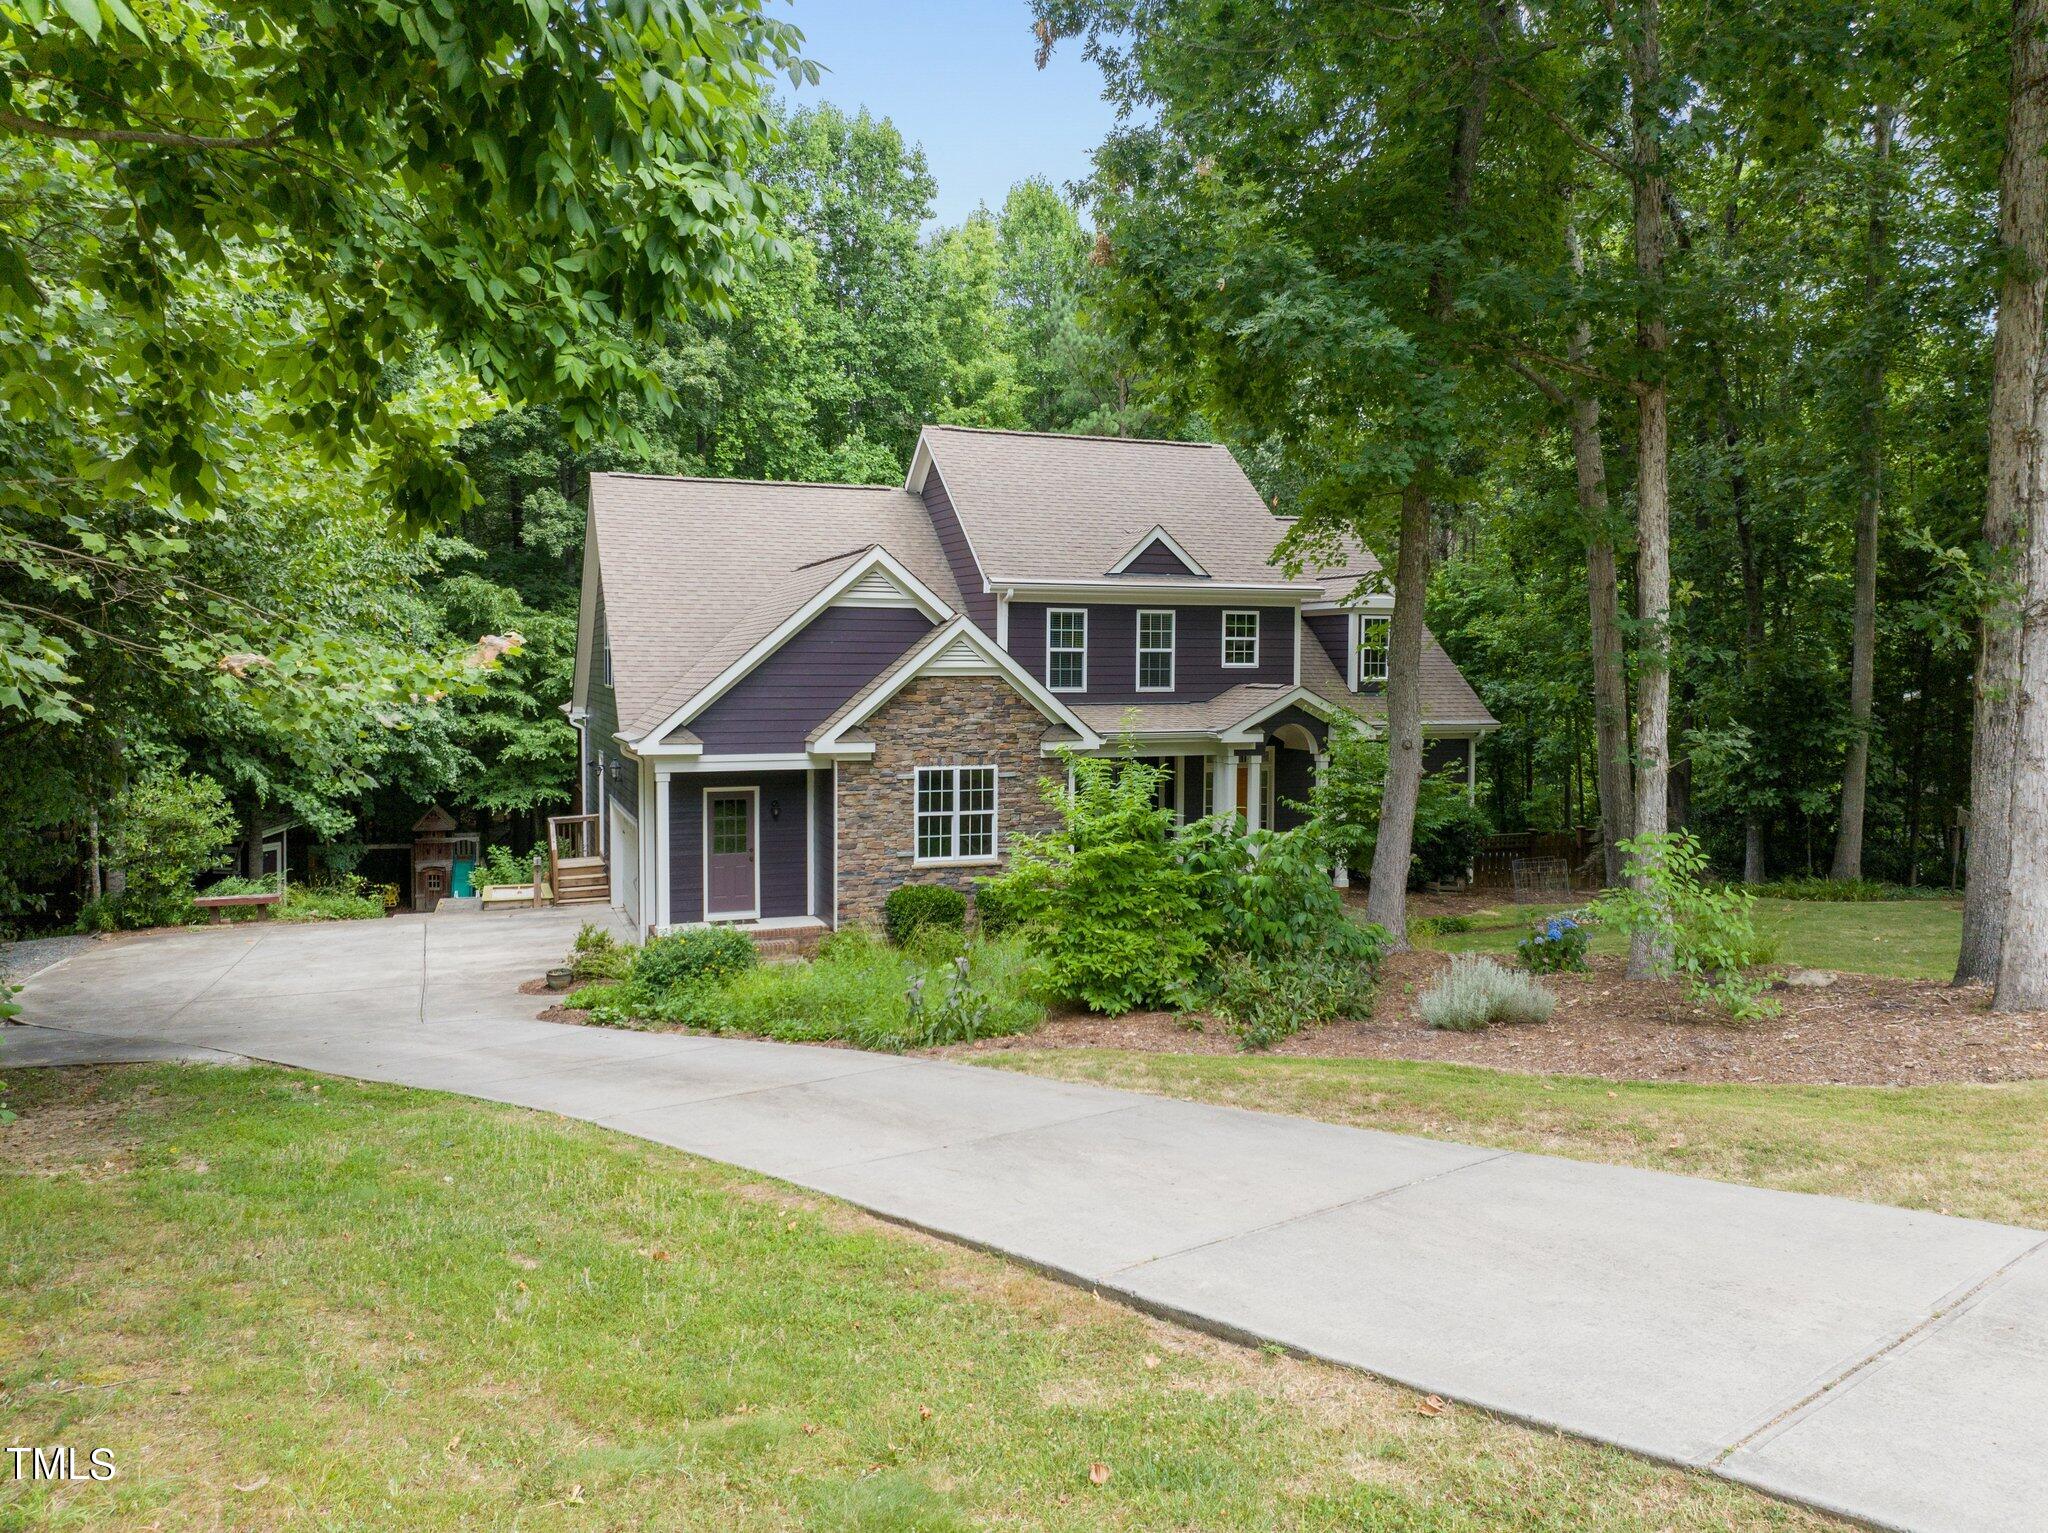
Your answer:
<point x="1258" y="624"/>
<point x="1050" y="614"/>
<point x="995" y="803"/>
<point x="1172" y="645"/>
<point x="1386" y="623"/>
<point x="704" y="909"/>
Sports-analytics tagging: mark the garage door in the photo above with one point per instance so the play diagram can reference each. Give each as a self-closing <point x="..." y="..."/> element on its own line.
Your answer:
<point x="625" y="837"/>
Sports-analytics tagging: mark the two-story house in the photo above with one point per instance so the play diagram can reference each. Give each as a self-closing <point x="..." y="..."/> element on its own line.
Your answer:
<point x="794" y="697"/>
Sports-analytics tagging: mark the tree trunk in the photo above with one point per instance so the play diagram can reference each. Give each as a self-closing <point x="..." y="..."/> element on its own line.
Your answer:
<point x="1653" y="449"/>
<point x="2023" y="943"/>
<point x="1387" y="900"/>
<point x="1603" y="603"/>
<point x="1863" y="632"/>
<point x="2011" y="493"/>
<point x="1753" y="849"/>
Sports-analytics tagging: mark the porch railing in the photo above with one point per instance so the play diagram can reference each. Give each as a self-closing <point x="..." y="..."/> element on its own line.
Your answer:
<point x="576" y="831"/>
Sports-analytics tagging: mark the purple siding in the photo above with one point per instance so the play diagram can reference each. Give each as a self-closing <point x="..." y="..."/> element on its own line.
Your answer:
<point x="780" y="848"/>
<point x="1161" y="560"/>
<point x="1438" y="754"/>
<point x="980" y="604"/>
<point x="822" y="782"/>
<point x="1198" y="671"/>
<point x="1333" y="629"/>
<point x="777" y="704"/>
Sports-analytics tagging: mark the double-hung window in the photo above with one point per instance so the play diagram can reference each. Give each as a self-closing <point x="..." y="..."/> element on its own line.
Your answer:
<point x="1066" y="649"/>
<point x="1240" y="640"/>
<point x="1155" y="651"/>
<point x="1372" y="648"/>
<point x="956" y="814"/>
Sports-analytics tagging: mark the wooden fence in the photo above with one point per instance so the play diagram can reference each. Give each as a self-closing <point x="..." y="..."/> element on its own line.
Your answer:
<point x="1493" y="867"/>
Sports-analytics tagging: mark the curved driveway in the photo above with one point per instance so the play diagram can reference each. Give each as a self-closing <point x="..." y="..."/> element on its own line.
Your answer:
<point x="1888" y="1364"/>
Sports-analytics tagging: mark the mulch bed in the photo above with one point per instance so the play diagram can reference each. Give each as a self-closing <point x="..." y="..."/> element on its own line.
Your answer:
<point x="1862" y="1030"/>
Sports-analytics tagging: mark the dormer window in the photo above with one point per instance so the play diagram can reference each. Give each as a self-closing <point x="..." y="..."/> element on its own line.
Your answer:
<point x="1372" y="648"/>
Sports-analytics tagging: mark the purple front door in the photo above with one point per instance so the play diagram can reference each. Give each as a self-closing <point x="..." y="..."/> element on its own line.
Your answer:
<point x="729" y="855"/>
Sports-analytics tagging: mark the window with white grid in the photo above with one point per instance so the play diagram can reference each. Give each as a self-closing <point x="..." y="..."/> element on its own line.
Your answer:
<point x="1240" y="640"/>
<point x="1066" y="649"/>
<point x="956" y="814"/>
<point x="1372" y="649"/>
<point x="1155" y="651"/>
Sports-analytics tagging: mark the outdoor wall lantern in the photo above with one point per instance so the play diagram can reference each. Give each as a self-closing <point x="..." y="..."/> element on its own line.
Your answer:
<point x="775" y="809"/>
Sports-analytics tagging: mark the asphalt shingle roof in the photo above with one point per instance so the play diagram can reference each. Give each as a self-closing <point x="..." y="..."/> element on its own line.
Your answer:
<point x="698" y="571"/>
<point x="1039" y="506"/>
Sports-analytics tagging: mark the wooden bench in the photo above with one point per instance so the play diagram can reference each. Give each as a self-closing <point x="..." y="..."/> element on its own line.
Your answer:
<point x="217" y="906"/>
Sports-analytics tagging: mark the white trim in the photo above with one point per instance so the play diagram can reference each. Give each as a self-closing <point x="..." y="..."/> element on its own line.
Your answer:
<point x="710" y="792"/>
<point x="1158" y="535"/>
<point x="1240" y="732"/>
<point x="1377" y="603"/>
<point x="810" y="841"/>
<point x="927" y="602"/>
<point x="1299" y="625"/>
<point x="664" y="908"/>
<point x="994" y="854"/>
<point x="1358" y="622"/>
<point x="1255" y="790"/>
<point x="786" y="761"/>
<point x="835" y="846"/>
<point x="913" y="481"/>
<point x="1258" y="626"/>
<point x="1050" y="613"/>
<point x="1125" y="588"/>
<point x="1351" y="650"/>
<point x="1003" y="618"/>
<point x="833" y="742"/>
<point x="1139" y="650"/>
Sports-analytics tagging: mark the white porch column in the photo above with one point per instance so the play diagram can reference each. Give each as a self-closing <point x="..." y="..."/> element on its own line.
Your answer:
<point x="1180" y="789"/>
<point x="1226" y="784"/>
<point x="662" y="906"/>
<point x="1255" y="791"/>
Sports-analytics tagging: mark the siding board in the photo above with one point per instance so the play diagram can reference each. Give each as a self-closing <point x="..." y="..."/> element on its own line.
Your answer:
<point x="1161" y="560"/>
<point x="777" y="704"/>
<point x="1333" y="631"/>
<point x="780" y="849"/>
<point x="980" y="604"/>
<point x="1198" y="671"/>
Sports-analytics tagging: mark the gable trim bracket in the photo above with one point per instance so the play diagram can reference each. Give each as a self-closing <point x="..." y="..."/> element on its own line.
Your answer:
<point x="1159" y="537"/>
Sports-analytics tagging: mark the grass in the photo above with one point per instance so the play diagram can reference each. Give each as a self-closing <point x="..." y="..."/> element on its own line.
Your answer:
<point x="1909" y="939"/>
<point x="287" y="1302"/>
<point x="1977" y="1151"/>
<point x="857" y="991"/>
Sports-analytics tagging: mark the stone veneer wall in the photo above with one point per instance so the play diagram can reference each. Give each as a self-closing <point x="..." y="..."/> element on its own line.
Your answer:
<point x="935" y="721"/>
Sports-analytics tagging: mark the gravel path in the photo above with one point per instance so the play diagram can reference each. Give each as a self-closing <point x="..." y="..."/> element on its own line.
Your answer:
<point x="18" y="960"/>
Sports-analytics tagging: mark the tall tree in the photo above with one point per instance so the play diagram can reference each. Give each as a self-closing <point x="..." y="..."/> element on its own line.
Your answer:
<point x="2010" y="776"/>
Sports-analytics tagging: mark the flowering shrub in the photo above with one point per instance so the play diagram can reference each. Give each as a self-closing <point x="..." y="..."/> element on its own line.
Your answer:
<point x="1557" y="945"/>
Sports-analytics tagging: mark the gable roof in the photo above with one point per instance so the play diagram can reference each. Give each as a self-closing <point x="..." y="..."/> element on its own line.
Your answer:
<point x="697" y="572"/>
<point x="1041" y="506"/>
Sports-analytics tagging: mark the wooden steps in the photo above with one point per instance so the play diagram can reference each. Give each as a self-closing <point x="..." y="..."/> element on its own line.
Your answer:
<point x="582" y="881"/>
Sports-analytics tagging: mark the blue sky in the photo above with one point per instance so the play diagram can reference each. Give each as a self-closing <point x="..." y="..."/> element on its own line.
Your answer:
<point x="956" y="76"/>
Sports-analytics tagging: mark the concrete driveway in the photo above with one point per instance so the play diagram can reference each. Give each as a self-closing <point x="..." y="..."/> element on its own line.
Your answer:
<point x="1886" y="1364"/>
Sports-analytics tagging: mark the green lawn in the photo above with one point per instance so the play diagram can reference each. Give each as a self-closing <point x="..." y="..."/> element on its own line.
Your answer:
<point x="1980" y="1151"/>
<point x="281" y="1301"/>
<point x="1912" y="939"/>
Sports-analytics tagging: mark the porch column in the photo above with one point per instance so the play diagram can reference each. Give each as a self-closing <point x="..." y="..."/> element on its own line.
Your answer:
<point x="1255" y="791"/>
<point x="1226" y="784"/>
<point x="659" y="882"/>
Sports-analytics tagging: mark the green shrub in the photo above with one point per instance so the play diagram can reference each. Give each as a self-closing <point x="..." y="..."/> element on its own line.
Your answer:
<point x="704" y="955"/>
<point x="1108" y="905"/>
<point x="167" y="829"/>
<point x="1477" y="992"/>
<point x="234" y="884"/>
<point x="996" y="912"/>
<point x="596" y="954"/>
<point x="1856" y="891"/>
<point x="1440" y="926"/>
<point x="1265" y="1002"/>
<point x="1344" y="808"/>
<point x="502" y="865"/>
<point x="592" y="938"/>
<point x="1267" y="894"/>
<point x="1704" y="932"/>
<point x="1557" y="945"/>
<point x="911" y="906"/>
<point x="346" y="900"/>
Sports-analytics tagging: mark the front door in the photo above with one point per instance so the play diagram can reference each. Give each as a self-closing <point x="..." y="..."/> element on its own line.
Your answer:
<point x="729" y="855"/>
